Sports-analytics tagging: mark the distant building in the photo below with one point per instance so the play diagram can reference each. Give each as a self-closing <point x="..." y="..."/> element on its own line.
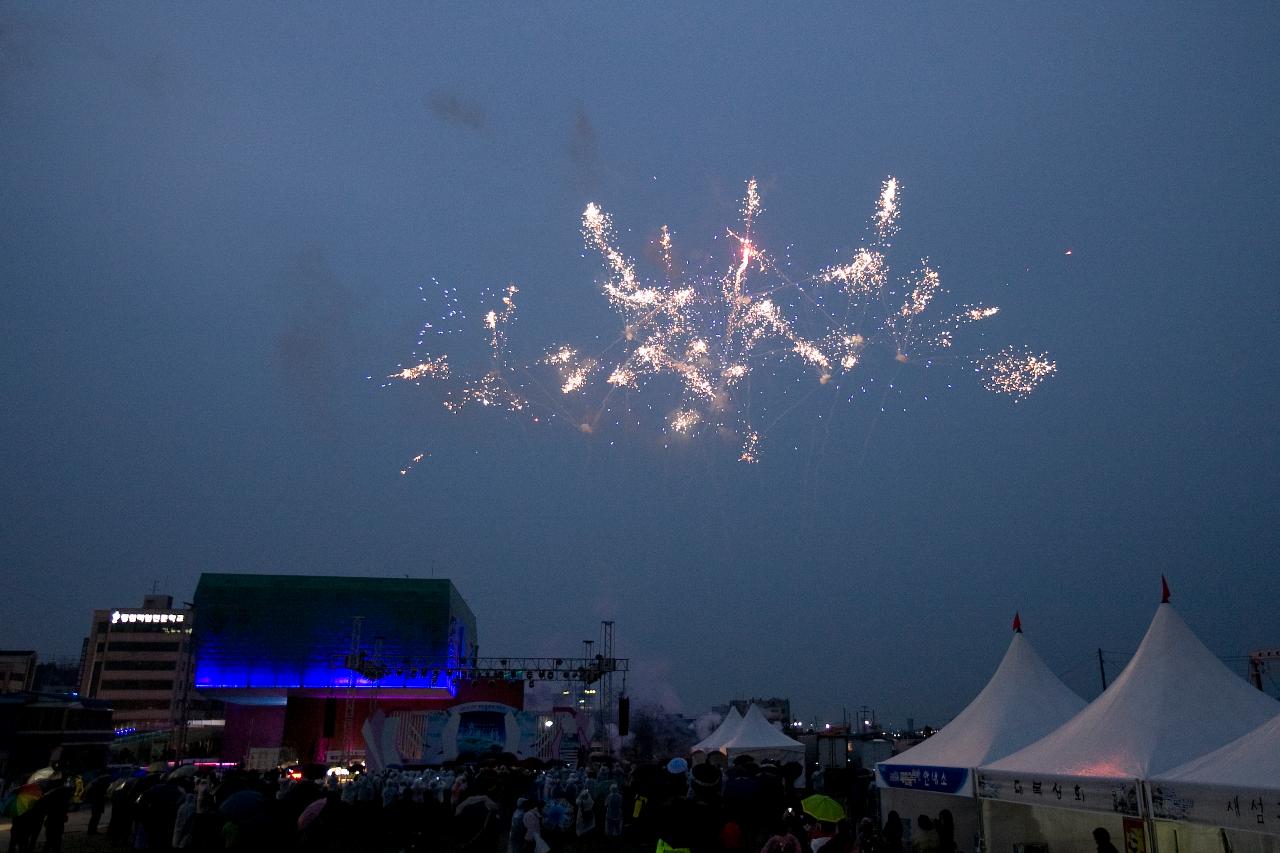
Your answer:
<point x="775" y="710"/>
<point x="138" y="660"/>
<point x="17" y="670"/>
<point x="37" y="730"/>
<point x="60" y="675"/>
<point x="306" y="664"/>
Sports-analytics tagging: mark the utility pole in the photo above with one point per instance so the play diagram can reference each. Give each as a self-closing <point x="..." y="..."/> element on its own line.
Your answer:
<point x="353" y="665"/>
<point x="1102" y="670"/>
<point x="606" y="681"/>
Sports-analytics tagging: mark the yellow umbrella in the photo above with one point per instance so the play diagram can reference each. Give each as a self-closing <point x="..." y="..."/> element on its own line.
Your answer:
<point x="822" y="808"/>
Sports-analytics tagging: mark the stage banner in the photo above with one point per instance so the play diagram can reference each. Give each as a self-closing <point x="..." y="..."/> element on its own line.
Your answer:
<point x="1082" y="793"/>
<point x="1252" y="809"/>
<point x="921" y="777"/>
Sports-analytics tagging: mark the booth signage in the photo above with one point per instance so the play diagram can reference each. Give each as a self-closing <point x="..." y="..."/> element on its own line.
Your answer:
<point x="1081" y="793"/>
<point x="1256" y="810"/>
<point x="919" y="777"/>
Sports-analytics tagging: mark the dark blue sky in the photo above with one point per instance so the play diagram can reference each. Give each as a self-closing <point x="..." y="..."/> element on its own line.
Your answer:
<point x="215" y="220"/>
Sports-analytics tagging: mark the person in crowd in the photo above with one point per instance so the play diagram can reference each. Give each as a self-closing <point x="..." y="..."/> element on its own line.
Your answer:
<point x="844" y="839"/>
<point x="783" y="840"/>
<point x="183" y="821"/>
<point x="613" y="812"/>
<point x="946" y="826"/>
<point x="57" y="803"/>
<point x="925" y="839"/>
<point x="585" y="825"/>
<point x="96" y="796"/>
<point x="25" y="828"/>
<point x="515" y="835"/>
<point x="892" y="835"/>
<point x="1102" y="840"/>
<point x="533" y="840"/>
<point x="868" y="839"/>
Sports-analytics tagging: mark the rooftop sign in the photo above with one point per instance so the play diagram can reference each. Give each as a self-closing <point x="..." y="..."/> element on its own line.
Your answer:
<point x="118" y="617"/>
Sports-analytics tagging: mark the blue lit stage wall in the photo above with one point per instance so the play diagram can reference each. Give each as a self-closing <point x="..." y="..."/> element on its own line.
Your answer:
<point x="287" y="631"/>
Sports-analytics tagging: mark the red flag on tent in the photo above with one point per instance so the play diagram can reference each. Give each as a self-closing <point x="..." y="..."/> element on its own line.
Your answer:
<point x="1017" y="623"/>
<point x="1164" y="590"/>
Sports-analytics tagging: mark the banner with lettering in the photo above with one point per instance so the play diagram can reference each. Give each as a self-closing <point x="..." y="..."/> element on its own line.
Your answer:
<point x="1082" y="793"/>
<point x="1252" y="809"/>
<point x="921" y="777"/>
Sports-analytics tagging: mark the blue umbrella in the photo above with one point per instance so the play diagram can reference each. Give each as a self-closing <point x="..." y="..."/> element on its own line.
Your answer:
<point x="242" y="805"/>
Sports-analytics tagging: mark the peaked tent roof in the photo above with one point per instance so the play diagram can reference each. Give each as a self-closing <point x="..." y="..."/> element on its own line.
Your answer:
<point x="755" y="733"/>
<point x="1022" y="703"/>
<point x="1250" y="761"/>
<point x="1173" y="702"/>
<point x="723" y="732"/>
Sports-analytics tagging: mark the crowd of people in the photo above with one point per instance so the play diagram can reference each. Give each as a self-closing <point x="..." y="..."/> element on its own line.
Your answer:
<point x="492" y="807"/>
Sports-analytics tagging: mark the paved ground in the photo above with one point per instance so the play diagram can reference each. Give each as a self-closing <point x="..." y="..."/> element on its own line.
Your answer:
<point x="75" y="839"/>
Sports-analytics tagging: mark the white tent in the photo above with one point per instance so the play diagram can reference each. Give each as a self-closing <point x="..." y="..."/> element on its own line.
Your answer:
<point x="1022" y="702"/>
<point x="1237" y="786"/>
<point x="755" y="736"/>
<point x="1173" y="702"/>
<point x="724" y="731"/>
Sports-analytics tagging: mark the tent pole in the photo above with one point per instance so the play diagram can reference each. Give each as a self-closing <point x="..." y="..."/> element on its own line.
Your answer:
<point x="1148" y="822"/>
<point x="977" y="802"/>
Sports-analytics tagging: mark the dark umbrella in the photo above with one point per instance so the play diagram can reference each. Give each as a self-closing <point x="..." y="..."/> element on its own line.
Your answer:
<point x="242" y="805"/>
<point x="58" y="797"/>
<point x="161" y="794"/>
<point x="311" y="812"/>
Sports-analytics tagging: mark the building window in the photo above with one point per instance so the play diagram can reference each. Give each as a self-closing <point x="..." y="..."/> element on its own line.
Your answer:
<point x="134" y="684"/>
<point x="140" y="665"/>
<point x="141" y="646"/>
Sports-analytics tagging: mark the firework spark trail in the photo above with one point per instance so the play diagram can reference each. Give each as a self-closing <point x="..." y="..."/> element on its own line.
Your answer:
<point x="711" y="334"/>
<point x="494" y="388"/>
<point x="1014" y="371"/>
<point x="413" y="463"/>
<point x="433" y="368"/>
<point x="887" y="211"/>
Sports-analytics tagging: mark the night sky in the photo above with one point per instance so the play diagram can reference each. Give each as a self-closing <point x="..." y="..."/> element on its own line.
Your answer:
<point x="215" y="220"/>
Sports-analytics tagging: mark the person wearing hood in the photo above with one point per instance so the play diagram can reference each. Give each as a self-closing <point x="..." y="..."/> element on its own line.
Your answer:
<point x="533" y="840"/>
<point x="184" y="822"/>
<point x="515" y="836"/>
<point x="586" y="819"/>
<point x="613" y="812"/>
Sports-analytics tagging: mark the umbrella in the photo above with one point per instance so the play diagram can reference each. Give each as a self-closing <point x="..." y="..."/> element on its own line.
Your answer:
<point x="242" y="805"/>
<point x="479" y="800"/>
<point x="310" y="813"/>
<point x="185" y="771"/>
<point x="162" y="797"/>
<point x="20" y="801"/>
<point x="822" y="808"/>
<point x="42" y="774"/>
<point x="57" y="799"/>
<point x="677" y="765"/>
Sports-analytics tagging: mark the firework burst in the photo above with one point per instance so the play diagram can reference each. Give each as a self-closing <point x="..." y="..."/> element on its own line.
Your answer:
<point x="692" y="341"/>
